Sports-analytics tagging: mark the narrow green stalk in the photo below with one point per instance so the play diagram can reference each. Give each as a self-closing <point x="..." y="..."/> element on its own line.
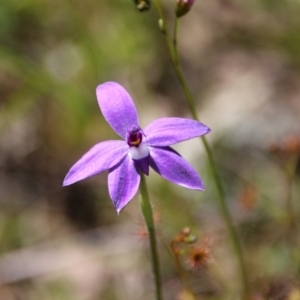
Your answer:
<point x="159" y="8"/>
<point x="176" y="55"/>
<point x="148" y="216"/>
<point x="173" y="50"/>
<point x="221" y="193"/>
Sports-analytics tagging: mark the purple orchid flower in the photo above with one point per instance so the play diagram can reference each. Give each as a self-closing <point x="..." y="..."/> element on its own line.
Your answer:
<point x="126" y="159"/>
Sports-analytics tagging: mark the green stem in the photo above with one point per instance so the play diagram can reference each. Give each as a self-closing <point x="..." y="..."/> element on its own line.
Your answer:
<point x="148" y="216"/>
<point x="176" y="55"/>
<point x="173" y="50"/>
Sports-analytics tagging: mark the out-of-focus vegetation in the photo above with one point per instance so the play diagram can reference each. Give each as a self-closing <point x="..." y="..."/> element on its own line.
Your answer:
<point x="242" y="61"/>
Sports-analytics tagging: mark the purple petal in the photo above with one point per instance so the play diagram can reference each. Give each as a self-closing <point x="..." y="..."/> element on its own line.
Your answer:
<point x="117" y="107"/>
<point x="169" y="131"/>
<point x="143" y="164"/>
<point x="123" y="183"/>
<point x="101" y="157"/>
<point x="170" y="165"/>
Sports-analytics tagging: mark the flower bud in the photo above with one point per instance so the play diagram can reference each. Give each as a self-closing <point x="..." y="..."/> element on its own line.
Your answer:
<point x="161" y="26"/>
<point x="142" y="5"/>
<point x="183" y="7"/>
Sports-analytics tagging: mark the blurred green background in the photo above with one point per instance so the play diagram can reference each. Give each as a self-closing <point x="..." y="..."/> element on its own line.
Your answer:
<point x="242" y="61"/>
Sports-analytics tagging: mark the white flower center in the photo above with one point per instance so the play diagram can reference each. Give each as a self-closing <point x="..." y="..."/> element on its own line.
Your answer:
<point x="139" y="152"/>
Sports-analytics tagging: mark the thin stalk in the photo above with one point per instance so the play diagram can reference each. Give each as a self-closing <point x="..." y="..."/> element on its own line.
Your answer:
<point x="175" y="31"/>
<point x="173" y="50"/>
<point x="221" y="193"/>
<point x="146" y="209"/>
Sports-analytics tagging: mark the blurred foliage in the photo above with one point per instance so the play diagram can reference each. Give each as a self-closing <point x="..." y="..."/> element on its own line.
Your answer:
<point x="68" y="243"/>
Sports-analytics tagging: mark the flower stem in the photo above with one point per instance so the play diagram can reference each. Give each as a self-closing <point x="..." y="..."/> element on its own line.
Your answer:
<point x="148" y="217"/>
<point x="173" y="50"/>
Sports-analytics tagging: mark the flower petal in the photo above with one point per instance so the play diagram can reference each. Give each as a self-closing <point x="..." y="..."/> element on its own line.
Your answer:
<point x="117" y="107"/>
<point x="123" y="182"/>
<point x="99" y="158"/>
<point x="170" y="165"/>
<point x="169" y="131"/>
<point x="143" y="164"/>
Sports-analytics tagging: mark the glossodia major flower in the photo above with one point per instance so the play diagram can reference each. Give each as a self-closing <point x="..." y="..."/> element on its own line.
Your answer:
<point x="140" y="149"/>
